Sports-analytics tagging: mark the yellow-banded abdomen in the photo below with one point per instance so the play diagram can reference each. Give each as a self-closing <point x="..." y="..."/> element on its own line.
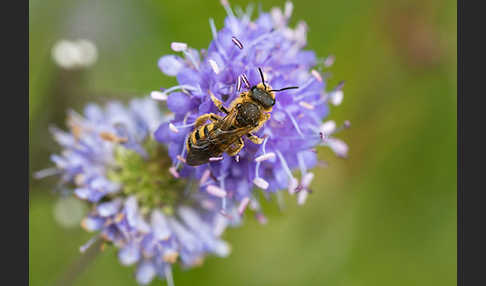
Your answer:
<point x="200" y="133"/>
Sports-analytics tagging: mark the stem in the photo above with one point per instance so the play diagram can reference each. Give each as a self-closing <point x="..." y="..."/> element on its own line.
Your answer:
<point x="78" y="266"/>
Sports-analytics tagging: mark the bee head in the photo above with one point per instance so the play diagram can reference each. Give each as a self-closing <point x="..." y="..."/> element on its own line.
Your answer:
<point x="262" y="97"/>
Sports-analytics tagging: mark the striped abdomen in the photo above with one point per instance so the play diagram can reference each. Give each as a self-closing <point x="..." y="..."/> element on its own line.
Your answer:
<point x="201" y="133"/>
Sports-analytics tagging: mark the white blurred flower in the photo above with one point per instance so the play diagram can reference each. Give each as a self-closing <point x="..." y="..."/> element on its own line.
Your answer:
<point x="69" y="212"/>
<point x="75" y="54"/>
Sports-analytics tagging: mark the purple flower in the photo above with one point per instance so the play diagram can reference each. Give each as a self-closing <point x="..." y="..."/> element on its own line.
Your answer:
<point x="110" y="160"/>
<point x="230" y="66"/>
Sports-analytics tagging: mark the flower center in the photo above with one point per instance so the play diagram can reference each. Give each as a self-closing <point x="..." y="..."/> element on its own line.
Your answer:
<point x="148" y="179"/>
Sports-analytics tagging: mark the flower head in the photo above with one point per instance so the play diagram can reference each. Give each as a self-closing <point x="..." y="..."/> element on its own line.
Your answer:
<point x="230" y="66"/>
<point x="110" y="159"/>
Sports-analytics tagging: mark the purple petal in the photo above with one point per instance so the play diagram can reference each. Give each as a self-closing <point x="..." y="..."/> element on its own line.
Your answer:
<point x="108" y="208"/>
<point x="179" y="102"/>
<point x="160" y="227"/>
<point x="171" y="64"/>
<point x="128" y="255"/>
<point x="145" y="272"/>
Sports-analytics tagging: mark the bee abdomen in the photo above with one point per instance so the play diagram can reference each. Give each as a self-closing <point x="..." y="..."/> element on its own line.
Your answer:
<point x="201" y="133"/>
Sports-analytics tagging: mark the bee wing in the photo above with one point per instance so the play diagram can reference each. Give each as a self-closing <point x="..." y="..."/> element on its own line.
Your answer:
<point x="228" y="121"/>
<point x="218" y="140"/>
<point x="199" y="153"/>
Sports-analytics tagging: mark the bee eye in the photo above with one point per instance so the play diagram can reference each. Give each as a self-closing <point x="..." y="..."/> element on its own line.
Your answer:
<point x="263" y="98"/>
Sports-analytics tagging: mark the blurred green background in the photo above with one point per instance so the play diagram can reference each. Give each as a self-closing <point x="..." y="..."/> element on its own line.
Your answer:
<point x="384" y="216"/>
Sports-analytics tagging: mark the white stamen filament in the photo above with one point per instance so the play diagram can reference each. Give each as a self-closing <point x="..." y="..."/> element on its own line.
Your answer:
<point x="307" y="179"/>
<point x="261" y="218"/>
<point x="214" y="159"/>
<point x="180" y="158"/>
<point x="214" y="66"/>
<point x="337" y="97"/>
<point x="257" y="169"/>
<point x="88" y="244"/>
<point x="249" y="11"/>
<point x="302" y="197"/>
<point x="329" y="61"/>
<point x="168" y="275"/>
<point x="223" y="205"/>
<point x="256" y="41"/>
<point x="174" y="172"/>
<point x="158" y="95"/>
<point x="328" y="127"/>
<point x="46" y="173"/>
<point x="280" y="201"/>
<point x="293" y="184"/>
<point x="245" y="80"/>
<point x="264" y="145"/>
<point x="292" y="119"/>
<point x="339" y="147"/>
<point x="243" y="205"/>
<point x="178" y="47"/>
<point x="306" y="105"/>
<point x="185" y="125"/>
<point x="205" y="176"/>
<point x="254" y="205"/>
<point x="233" y="24"/>
<point x="173" y="128"/>
<point x="264" y="157"/>
<point x="317" y="75"/>
<point x="213" y="28"/>
<point x="287" y="170"/>
<point x="302" y="166"/>
<point x="215" y="36"/>
<point x="216" y="191"/>
<point x="183" y="153"/>
<point x="261" y="183"/>
<point x="237" y="42"/>
<point x="183" y="86"/>
<point x="289" y="7"/>
<point x="238" y="84"/>
<point x="192" y="59"/>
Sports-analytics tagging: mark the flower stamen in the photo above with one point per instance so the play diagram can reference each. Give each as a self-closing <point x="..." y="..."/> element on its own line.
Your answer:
<point x="243" y="205"/>
<point x="173" y="172"/>
<point x="178" y="47"/>
<point x="216" y="191"/>
<point x="261" y="183"/>
<point x="237" y="42"/>
<point x="110" y="137"/>
<point x="205" y="176"/>
<point x="214" y="66"/>
<point x="265" y="157"/>
<point x="306" y="105"/>
<point x="173" y="128"/>
<point x="158" y="95"/>
<point x="215" y="159"/>
<point x="245" y="80"/>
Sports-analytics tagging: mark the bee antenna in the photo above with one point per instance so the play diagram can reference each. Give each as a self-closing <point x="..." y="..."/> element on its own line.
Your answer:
<point x="285" y="88"/>
<point x="263" y="80"/>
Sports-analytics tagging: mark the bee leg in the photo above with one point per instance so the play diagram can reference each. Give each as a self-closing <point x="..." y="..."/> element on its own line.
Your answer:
<point x="203" y="118"/>
<point x="255" y="139"/>
<point x="214" y="117"/>
<point x="235" y="148"/>
<point x="218" y="103"/>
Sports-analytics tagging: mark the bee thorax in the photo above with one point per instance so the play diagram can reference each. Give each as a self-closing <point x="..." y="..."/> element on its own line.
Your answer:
<point x="248" y="114"/>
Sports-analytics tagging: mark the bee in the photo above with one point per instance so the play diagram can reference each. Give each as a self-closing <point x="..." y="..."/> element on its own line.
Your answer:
<point x="246" y="115"/>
